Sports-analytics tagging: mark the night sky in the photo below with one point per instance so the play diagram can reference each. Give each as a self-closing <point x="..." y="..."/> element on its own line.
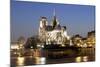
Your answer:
<point x="25" y="17"/>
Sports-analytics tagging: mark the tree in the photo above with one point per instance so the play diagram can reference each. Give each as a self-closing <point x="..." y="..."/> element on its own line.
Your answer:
<point x="32" y="42"/>
<point x="21" y="39"/>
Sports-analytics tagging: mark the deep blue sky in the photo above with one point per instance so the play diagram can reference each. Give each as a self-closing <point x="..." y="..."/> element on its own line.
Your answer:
<point x="25" y="16"/>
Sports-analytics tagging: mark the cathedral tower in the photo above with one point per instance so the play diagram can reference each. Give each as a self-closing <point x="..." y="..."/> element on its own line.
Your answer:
<point x="42" y="32"/>
<point x="43" y="22"/>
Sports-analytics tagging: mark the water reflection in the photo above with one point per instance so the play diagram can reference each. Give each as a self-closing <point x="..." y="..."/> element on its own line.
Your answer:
<point x="80" y="59"/>
<point x="40" y="60"/>
<point x="35" y="58"/>
<point x="85" y="58"/>
<point x="20" y="61"/>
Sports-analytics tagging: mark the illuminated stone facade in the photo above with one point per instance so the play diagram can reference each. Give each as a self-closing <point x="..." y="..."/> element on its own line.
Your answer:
<point x="53" y="33"/>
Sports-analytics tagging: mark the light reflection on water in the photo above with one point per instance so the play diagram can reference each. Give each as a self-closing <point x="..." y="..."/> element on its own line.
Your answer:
<point x="20" y="61"/>
<point x="84" y="56"/>
<point x="40" y="60"/>
<point x="81" y="59"/>
<point x="78" y="59"/>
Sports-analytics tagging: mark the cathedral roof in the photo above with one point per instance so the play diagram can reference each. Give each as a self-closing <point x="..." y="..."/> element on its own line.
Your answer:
<point x="49" y="28"/>
<point x="58" y="27"/>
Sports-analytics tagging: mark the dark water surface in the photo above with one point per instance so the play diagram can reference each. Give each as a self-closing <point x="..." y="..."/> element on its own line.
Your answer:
<point x="84" y="55"/>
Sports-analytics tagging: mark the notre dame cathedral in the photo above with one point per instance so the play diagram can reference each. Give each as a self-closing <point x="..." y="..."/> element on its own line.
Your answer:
<point x="53" y="33"/>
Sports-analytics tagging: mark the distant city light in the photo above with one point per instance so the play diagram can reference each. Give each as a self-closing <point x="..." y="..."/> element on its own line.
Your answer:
<point x="31" y="46"/>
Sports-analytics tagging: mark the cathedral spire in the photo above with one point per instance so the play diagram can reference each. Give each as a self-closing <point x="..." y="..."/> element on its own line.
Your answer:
<point x="54" y="22"/>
